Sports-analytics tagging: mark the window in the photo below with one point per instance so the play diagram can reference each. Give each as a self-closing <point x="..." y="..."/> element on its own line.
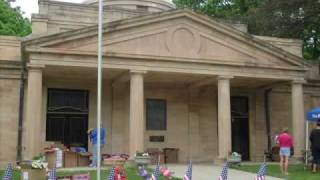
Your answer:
<point x="156" y="114"/>
<point x="67" y="117"/>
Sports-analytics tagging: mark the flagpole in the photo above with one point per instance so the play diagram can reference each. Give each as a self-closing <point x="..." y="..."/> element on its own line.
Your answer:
<point x="99" y="88"/>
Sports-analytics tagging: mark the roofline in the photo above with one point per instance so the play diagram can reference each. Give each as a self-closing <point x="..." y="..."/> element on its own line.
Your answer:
<point x="154" y="17"/>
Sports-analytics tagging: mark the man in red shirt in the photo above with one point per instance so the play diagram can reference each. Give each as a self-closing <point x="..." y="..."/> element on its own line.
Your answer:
<point x="285" y="143"/>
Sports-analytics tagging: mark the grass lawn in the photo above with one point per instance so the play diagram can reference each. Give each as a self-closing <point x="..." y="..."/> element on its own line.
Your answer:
<point x="132" y="174"/>
<point x="296" y="172"/>
<point x="16" y="174"/>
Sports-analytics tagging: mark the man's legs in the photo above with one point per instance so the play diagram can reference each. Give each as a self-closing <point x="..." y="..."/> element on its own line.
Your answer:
<point x="94" y="156"/>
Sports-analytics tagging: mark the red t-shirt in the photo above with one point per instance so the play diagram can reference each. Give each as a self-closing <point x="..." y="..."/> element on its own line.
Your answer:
<point x="285" y="140"/>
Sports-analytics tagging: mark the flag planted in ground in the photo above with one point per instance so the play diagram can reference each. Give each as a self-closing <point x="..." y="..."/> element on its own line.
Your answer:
<point x="143" y="172"/>
<point x="188" y="175"/>
<point x="52" y="174"/>
<point x="155" y="174"/>
<point x="224" y="172"/>
<point x="261" y="175"/>
<point x="8" y="172"/>
<point x="111" y="175"/>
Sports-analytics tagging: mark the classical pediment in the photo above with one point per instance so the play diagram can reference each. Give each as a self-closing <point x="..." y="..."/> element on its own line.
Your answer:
<point x="180" y="34"/>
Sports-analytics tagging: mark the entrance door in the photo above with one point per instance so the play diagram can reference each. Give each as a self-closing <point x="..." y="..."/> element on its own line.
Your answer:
<point x="67" y="117"/>
<point x="240" y="125"/>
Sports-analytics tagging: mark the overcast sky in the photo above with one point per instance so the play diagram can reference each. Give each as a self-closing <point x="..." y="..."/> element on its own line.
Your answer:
<point x="31" y="6"/>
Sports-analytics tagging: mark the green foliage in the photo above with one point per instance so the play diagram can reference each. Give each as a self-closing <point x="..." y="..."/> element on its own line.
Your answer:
<point x="289" y="19"/>
<point x="16" y="174"/>
<point x="220" y="8"/>
<point x="278" y="18"/>
<point x="296" y="172"/>
<point x="11" y="20"/>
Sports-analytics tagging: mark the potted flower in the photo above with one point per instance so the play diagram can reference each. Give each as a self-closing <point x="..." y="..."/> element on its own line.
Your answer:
<point x="142" y="159"/>
<point x="35" y="168"/>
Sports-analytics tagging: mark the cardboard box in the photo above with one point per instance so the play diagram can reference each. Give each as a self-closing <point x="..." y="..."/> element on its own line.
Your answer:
<point x="154" y="153"/>
<point x="83" y="159"/>
<point x="170" y="155"/>
<point x="51" y="159"/>
<point x="33" y="174"/>
<point x="70" y="159"/>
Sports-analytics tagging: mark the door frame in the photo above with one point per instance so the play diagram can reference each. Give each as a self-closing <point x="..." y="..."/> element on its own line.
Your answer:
<point x="248" y="116"/>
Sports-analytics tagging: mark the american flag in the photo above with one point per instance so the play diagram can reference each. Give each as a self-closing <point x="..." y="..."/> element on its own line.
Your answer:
<point x="111" y="175"/>
<point x="8" y="173"/>
<point x="52" y="174"/>
<point x="261" y="173"/>
<point x="188" y="175"/>
<point x="155" y="173"/>
<point x="224" y="173"/>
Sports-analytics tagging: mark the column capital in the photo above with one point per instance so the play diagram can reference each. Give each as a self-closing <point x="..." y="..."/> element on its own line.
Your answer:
<point x="224" y="77"/>
<point x="298" y="81"/>
<point x="35" y="67"/>
<point x="134" y="71"/>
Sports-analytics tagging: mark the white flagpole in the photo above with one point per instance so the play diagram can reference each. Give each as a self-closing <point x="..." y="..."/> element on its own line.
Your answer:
<point x="99" y="88"/>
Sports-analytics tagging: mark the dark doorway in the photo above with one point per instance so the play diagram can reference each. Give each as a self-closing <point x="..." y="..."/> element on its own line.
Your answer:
<point x="67" y="117"/>
<point x="240" y="125"/>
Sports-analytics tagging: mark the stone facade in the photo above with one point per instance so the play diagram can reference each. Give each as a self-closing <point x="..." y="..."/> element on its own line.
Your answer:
<point x="195" y="63"/>
<point x="10" y="80"/>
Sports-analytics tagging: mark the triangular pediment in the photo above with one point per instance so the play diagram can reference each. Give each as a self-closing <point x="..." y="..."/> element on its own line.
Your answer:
<point x="180" y="34"/>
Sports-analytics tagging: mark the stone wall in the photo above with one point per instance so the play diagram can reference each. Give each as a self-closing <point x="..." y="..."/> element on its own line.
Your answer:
<point x="10" y="72"/>
<point x="55" y="17"/>
<point x="293" y="46"/>
<point x="191" y="125"/>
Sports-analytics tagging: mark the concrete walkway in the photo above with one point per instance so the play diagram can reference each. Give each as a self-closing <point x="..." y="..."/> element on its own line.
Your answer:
<point x="207" y="172"/>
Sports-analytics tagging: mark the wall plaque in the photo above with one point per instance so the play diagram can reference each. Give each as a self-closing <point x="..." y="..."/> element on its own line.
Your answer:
<point x="156" y="138"/>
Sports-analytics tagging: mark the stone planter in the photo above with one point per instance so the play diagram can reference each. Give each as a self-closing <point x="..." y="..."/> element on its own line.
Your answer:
<point x="142" y="160"/>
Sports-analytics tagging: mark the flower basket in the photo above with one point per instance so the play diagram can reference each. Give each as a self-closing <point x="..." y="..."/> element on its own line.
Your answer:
<point x="142" y="160"/>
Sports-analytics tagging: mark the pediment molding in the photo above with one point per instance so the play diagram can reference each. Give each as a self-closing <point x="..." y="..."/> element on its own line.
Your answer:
<point x="190" y="36"/>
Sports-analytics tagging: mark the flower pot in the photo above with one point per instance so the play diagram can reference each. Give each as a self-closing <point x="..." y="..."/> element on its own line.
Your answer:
<point x="142" y="160"/>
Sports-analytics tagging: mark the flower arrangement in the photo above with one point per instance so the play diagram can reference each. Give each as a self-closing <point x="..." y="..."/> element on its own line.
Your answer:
<point x="142" y="158"/>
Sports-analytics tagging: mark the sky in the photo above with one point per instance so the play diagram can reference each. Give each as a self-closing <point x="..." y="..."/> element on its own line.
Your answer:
<point x="31" y="6"/>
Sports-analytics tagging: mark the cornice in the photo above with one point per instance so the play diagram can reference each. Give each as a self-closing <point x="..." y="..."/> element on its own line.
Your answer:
<point x="158" y="17"/>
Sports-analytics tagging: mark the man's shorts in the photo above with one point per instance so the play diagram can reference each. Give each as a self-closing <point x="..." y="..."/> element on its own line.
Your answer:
<point x="285" y="151"/>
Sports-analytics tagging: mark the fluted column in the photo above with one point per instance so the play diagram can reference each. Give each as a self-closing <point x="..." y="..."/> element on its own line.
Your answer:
<point x="33" y="120"/>
<point x="224" y="117"/>
<point x="298" y="120"/>
<point x="136" y="124"/>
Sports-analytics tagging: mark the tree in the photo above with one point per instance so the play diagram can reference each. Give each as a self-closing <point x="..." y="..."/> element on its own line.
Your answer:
<point x="289" y="19"/>
<point x="278" y="18"/>
<point x="11" y="20"/>
<point x="228" y="9"/>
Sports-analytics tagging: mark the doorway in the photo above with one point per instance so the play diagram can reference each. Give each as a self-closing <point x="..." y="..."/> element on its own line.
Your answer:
<point x="67" y="117"/>
<point x="240" y="126"/>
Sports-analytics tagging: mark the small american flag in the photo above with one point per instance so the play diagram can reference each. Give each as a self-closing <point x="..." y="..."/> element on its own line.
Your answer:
<point x="188" y="175"/>
<point x="261" y="173"/>
<point x="111" y="175"/>
<point x="52" y="174"/>
<point x="155" y="173"/>
<point x="8" y="173"/>
<point x="224" y="173"/>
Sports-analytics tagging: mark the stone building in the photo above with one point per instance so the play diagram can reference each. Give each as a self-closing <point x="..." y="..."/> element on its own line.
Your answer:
<point x="171" y="79"/>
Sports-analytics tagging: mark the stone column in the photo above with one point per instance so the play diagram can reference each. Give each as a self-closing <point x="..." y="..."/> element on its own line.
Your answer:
<point x="33" y="120"/>
<point x="136" y="124"/>
<point x="224" y="117"/>
<point x="298" y="120"/>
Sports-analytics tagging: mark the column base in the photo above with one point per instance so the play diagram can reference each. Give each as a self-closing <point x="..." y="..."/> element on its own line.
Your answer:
<point x="219" y="161"/>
